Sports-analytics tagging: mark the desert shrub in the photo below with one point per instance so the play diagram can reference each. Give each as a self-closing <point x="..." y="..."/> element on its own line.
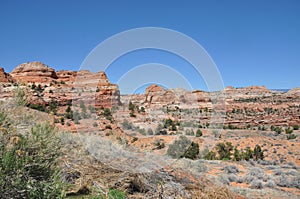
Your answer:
<point x="108" y="126"/>
<point x="159" y="144"/>
<point x="62" y="121"/>
<point x="134" y="139"/>
<point x="248" y="179"/>
<point x="291" y="164"/>
<point x="158" y="128"/>
<point x="115" y="194"/>
<point x="292" y="173"/>
<point x="271" y="167"/>
<point x="257" y="172"/>
<point x="69" y="112"/>
<point x="231" y="169"/>
<point x="240" y="180"/>
<point x="296" y="127"/>
<point x="198" y="133"/>
<point x="258" y="153"/>
<point x="210" y="156"/>
<point x="127" y="125"/>
<point x="161" y="132"/>
<point x="28" y="166"/>
<point x="288" y="130"/>
<point x="291" y="136"/>
<point x="20" y="96"/>
<point x="189" y="132"/>
<point x="168" y="123"/>
<point x="95" y="124"/>
<point x="131" y="114"/>
<point x="278" y="130"/>
<point x="237" y="156"/>
<point x="76" y="117"/>
<point x="142" y="131"/>
<point x="224" y="179"/>
<point x="270" y="184"/>
<point x="142" y="109"/>
<point x="183" y="147"/>
<point x="224" y="150"/>
<point x="256" y="184"/>
<point x="192" y="152"/>
<point x="254" y="174"/>
<point x="248" y="154"/>
<point x="295" y="182"/>
<point x="264" y="162"/>
<point x="131" y="106"/>
<point x="150" y="131"/>
<point x="38" y="106"/>
<point x="232" y="178"/>
<point x="283" y="181"/>
<point x="216" y="133"/>
<point x="107" y="114"/>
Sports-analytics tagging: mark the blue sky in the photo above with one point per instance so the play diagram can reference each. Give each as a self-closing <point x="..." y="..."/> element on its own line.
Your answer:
<point x="251" y="42"/>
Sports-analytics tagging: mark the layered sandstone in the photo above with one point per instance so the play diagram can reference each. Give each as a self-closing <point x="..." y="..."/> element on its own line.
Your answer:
<point x="34" y="72"/>
<point x="5" y="77"/>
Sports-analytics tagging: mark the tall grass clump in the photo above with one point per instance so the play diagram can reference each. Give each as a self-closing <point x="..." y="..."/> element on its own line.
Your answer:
<point x="28" y="162"/>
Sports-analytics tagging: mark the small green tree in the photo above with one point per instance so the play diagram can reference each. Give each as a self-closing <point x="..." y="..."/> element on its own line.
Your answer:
<point x="150" y="131"/>
<point x="288" y="130"/>
<point x="224" y="150"/>
<point x="198" y="133"/>
<point x="291" y="136"/>
<point x="237" y="156"/>
<point x="192" y="151"/>
<point x="248" y="154"/>
<point x="179" y="147"/>
<point x="210" y="156"/>
<point x="258" y="153"/>
<point x="142" y="109"/>
<point x="131" y="106"/>
<point x="20" y="96"/>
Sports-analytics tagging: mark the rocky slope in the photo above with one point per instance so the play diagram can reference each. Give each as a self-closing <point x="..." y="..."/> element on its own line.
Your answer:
<point x="120" y="135"/>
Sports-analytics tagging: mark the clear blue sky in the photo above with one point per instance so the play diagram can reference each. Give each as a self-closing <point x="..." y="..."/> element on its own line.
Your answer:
<point x="251" y="42"/>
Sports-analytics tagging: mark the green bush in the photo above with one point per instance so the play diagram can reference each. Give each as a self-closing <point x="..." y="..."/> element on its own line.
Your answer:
<point x="20" y="97"/>
<point x="115" y="194"/>
<point x="258" y="153"/>
<point x="237" y="156"/>
<point x="95" y="124"/>
<point x="296" y="127"/>
<point x="288" y="130"/>
<point x="28" y="163"/>
<point x="198" y="133"/>
<point x="210" y="156"/>
<point x="127" y="125"/>
<point x="248" y="154"/>
<point x="183" y="147"/>
<point x="291" y="136"/>
<point x="224" y="150"/>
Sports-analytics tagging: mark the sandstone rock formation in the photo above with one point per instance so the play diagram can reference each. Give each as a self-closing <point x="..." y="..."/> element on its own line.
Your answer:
<point x="107" y="94"/>
<point x="5" y="77"/>
<point x="66" y="75"/>
<point x="153" y="88"/>
<point x="34" y="72"/>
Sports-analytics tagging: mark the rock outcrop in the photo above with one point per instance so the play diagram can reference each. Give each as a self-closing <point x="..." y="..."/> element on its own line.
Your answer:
<point x="5" y="77"/>
<point x="154" y="88"/>
<point x="107" y="94"/>
<point x="34" y="72"/>
<point x="66" y="75"/>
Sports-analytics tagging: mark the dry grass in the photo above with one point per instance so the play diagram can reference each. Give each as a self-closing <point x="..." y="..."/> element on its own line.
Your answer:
<point x="214" y="193"/>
